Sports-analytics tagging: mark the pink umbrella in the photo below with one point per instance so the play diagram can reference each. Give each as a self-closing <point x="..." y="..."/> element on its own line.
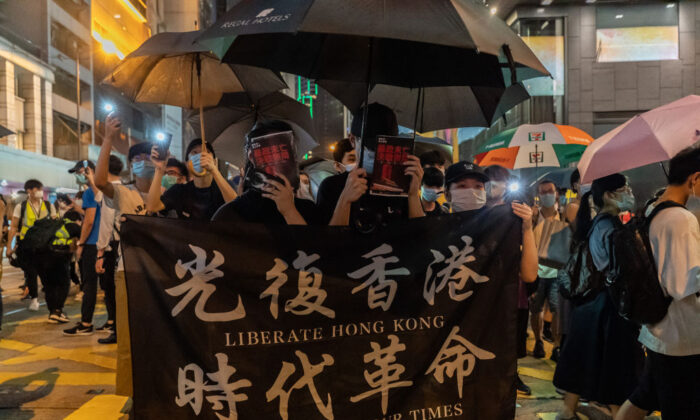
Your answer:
<point x="651" y="137"/>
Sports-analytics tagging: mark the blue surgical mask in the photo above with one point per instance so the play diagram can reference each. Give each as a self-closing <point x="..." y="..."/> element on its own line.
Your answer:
<point x="168" y="181"/>
<point x="81" y="179"/>
<point x="548" y="200"/>
<point x="196" y="162"/>
<point x="143" y="169"/>
<point x="626" y="202"/>
<point x="429" y="194"/>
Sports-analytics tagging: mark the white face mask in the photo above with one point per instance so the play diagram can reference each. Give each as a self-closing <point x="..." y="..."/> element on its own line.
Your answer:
<point x="38" y="194"/>
<point x="350" y="166"/>
<point x="495" y="190"/>
<point x="465" y="199"/>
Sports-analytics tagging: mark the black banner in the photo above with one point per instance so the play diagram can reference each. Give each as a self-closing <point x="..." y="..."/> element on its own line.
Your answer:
<point x="247" y="321"/>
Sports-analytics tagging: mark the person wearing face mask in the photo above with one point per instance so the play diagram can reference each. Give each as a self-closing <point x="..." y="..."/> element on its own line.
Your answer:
<point x="124" y="199"/>
<point x="601" y="359"/>
<point x="197" y="199"/>
<point x="497" y="186"/>
<point x="276" y="202"/>
<point x="671" y="379"/>
<point x="175" y="173"/>
<point x="24" y="216"/>
<point x="344" y="153"/>
<point x="547" y="276"/>
<point x="432" y="188"/>
<point x="342" y="199"/>
<point x="432" y="159"/>
<point x="304" y="191"/>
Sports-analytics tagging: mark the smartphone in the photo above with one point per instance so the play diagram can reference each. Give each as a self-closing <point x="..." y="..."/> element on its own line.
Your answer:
<point x="163" y="145"/>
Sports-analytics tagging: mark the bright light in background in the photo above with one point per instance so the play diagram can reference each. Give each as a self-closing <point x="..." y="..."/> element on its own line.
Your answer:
<point x="332" y="147"/>
<point x="134" y="11"/>
<point x="494" y="10"/>
<point x="670" y="5"/>
<point x="619" y="16"/>
<point x="513" y="187"/>
<point x="546" y="2"/>
<point x="107" y="45"/>
<point x="108" y="107"/>
<point x="3" y="183"/>
<point x="160" y="136"/>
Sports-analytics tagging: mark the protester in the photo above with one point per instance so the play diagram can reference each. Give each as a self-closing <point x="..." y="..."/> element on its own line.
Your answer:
<point x="432" y="159"/>
<point x="125" y="200"/>
<point x="547" y="290"/>
<point x="277" y="202"/>
<point x="87" y="246"/>
<point x="432" y="188"/>
<point x="671" y="379"/>
<point x="497" y="185"/>
<point x="601" y="359"/>
<point x="198" y="199"/>
<point x="175" y="173"/>
<point x="337" y="193"/>
<point x="25" y="215"/>
<point x="304" y="191"/>
<point x="344" y="153"/>
<point x="107" y="255"/>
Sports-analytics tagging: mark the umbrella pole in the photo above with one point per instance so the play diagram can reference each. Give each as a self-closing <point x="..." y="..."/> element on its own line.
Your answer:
<point x="198" y="63"/>
<point x="415" y="117"/>
<point x="364" y="111"/>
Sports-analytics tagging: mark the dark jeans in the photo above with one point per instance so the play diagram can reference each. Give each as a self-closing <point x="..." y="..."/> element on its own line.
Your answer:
<point x="54" y="269"/>
<point x="521" y="332"/>
<point x="30" y="280"/>
<point x="107" y="280"/>
<point x="89" y="280"/>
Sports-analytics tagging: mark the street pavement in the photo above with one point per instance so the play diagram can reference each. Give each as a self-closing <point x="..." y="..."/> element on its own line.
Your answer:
<point x="45" y="375"/>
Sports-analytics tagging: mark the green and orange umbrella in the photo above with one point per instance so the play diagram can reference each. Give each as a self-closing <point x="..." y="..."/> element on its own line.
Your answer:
<point x="535" y="146"/>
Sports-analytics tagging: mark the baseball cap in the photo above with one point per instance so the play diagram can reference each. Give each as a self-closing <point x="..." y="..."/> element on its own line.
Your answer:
<point x="464" y="169"/>
<point x="81" y="164"/>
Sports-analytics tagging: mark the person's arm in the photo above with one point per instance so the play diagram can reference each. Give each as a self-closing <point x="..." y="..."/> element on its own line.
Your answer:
<point x="209" y="163"/>
<point x="283" y="196"/>
<point x="415" y="170"/>
<point x="528" y="260"/>
<point x="112" y="128"/>
<point x="154" y="204"/>
<point x="355" y="187"/>
<point x="14" y="226"/>
<point x="570" y="212"/>
<point x="77" y="208"/>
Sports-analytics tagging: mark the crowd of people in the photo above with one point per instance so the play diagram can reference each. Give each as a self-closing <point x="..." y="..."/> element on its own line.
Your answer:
<point x="601" y="356"/>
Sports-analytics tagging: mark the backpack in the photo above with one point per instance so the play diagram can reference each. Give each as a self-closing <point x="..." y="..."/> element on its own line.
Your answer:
<point x="633" y="279"/>
<point x="38" y="239"/>
<point x="580" y="278"/>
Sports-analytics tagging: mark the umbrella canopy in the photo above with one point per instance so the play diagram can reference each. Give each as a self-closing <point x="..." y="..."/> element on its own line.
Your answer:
<point x="164" y="70"/>
<point x="427" y="144"/>
<point x="4" y="131"/>
<point x="236" y="115"/>
<point x="439" y="107"/>
<point x="560" y="176"/>
<point x="396" y="42"/>
<point x="535" y="146"/>
<point x="651" y="137"/>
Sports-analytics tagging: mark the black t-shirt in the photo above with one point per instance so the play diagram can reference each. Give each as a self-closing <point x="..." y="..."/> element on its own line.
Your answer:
<point x="190" y="202"/>
<point x="369" y="208"/>
<point x="437" y="211"/>
<point x="252" y="207"/>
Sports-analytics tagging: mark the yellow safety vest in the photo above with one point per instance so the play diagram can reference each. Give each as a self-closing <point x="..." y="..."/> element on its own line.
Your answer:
<point x="30" y="217"/>
<point x="62" y="236"/>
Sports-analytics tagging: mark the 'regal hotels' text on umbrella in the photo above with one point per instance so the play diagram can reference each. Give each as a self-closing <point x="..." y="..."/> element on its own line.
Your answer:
<point x="324" y="322"/>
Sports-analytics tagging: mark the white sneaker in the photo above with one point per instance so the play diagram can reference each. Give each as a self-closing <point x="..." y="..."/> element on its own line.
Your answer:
<point x="34" y="305"/>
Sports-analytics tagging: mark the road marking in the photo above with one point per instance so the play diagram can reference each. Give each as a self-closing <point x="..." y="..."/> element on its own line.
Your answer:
<point x="103" y="407"/>
<point x="69" y="378"/>
<point x="536" y="373"/>
<point x="41" y="353"/>
<point x="22" y="309"/>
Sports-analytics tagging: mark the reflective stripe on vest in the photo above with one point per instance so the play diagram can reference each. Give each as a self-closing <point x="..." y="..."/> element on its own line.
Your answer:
<point x="30" y="217"/>
<point x="62" y="236"/>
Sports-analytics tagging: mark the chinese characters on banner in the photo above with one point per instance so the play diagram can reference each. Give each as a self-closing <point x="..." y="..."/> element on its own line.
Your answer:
<point x="324" y="323"/>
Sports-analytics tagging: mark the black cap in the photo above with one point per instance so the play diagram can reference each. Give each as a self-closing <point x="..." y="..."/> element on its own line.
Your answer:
<point x="464" y="169"/>
<point x="81" y="164"/>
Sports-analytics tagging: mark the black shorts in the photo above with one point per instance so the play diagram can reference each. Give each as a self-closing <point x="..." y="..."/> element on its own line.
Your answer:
<point x="670" y="384"/>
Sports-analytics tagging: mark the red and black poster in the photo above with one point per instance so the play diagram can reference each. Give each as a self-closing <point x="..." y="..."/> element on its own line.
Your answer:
<point x="415" y="321"/>
<point x="388" y="177"/>
<point x="272" y="156"/>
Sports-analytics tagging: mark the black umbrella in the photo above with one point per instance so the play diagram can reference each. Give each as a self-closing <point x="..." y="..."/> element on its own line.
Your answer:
<point x="4" y="131"/>
<point x="228" y="123"/>
<point x="410" y="43"/>
<point x="439" y="107"/>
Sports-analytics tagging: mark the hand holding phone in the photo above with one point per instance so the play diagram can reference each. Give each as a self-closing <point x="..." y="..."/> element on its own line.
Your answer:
<point x="162" y="145"/>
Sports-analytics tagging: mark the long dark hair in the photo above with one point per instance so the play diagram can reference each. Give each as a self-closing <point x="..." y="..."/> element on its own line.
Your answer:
<point x="600" y="186"/>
